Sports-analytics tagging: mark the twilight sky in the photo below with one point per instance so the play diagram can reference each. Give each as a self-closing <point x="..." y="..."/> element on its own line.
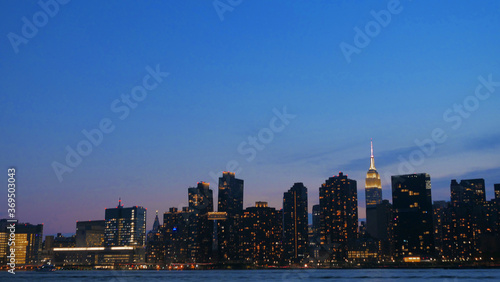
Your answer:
<point x="430" y="71"/>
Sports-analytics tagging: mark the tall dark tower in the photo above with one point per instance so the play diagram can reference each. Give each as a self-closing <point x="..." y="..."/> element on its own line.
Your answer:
<point x="230" y="202"/>
<point x="295" y="224"/>
<point x="176" y="235"/>
<point x="373" y="195"/>
<point x="413" y="224"/>
<point x="200" y="227"/>
<point x="497" y="192"/>
<point x="467" y="208"/>
<point x="339" y="215"/>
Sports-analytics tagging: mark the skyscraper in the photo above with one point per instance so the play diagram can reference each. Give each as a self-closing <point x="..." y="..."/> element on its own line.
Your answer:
<point x="413" y="225"/>
<point x="295" y="221"/>
<point x="230" y="202"/>
<point x="261" y="235"/>
<point x="497" y="192"/>
<point x="176" y="230"/>
<point x="339" y="215"/>
<point x="384" y="233"/>
<point x="467" y="207"/>
<point x="443" y="240"/>
<point x="200" y="227"/>
<point x="125" y="226"/>
<point x="373" y="195"/>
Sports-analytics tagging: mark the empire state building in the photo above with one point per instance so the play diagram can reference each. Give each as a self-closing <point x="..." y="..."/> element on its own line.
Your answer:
<point x="373" y="185"/>
<point x="373" y="195"/>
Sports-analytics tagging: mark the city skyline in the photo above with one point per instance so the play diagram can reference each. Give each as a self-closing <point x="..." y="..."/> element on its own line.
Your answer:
<point x="272" y="71"/>
<point x="413" y="229"/>
<point x="214" y="193"/>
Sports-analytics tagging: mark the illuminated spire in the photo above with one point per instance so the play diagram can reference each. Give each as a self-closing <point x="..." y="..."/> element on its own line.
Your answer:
<point x="372" y="159"/>
<point x="373" y="185"/>
<point x="156" y="224"/>
<point x="120" y="203"/>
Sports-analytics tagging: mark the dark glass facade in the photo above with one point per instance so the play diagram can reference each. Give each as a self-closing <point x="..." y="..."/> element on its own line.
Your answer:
<point x="413" y="222"/>
<point x="230" y="202"/>
<point x="295" y="222"/>
<point x="200" y="231"/>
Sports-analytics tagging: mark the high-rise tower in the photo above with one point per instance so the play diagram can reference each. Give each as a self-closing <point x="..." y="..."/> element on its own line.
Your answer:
<point x="373" y="195"/>
<point x="413" y="223"/>
<point x="338" y="202"/>
<point x="231" y="203"/>
<point x="295" y="222"/>
<point x="200" y="227"/>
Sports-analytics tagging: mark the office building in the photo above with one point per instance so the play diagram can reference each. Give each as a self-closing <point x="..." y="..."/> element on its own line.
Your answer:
<point x="28" y="243"/>
<point x="125" y="226"/>
<point x="413" y="223"/>
<point x="90" y="233"/>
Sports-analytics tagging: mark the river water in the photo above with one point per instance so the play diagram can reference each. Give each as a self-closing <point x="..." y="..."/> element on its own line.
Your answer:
<point x="263" y="275"/>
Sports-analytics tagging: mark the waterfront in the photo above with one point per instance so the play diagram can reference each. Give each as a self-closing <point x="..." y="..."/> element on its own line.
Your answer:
<point x="264" y="275"/>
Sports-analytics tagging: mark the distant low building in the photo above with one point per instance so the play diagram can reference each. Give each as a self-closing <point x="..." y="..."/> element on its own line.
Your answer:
<point x="90" y="233"/>
<point x="106" y="257"/>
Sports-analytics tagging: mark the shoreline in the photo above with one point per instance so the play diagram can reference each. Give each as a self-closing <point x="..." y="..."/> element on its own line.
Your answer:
<point x="143" y="268"/>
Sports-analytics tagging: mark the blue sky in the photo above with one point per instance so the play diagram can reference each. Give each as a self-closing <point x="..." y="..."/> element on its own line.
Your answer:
<point x="225" y="78"/>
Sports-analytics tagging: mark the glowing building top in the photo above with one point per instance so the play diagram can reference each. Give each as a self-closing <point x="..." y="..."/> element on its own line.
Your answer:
<point x="373" y="184"/>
